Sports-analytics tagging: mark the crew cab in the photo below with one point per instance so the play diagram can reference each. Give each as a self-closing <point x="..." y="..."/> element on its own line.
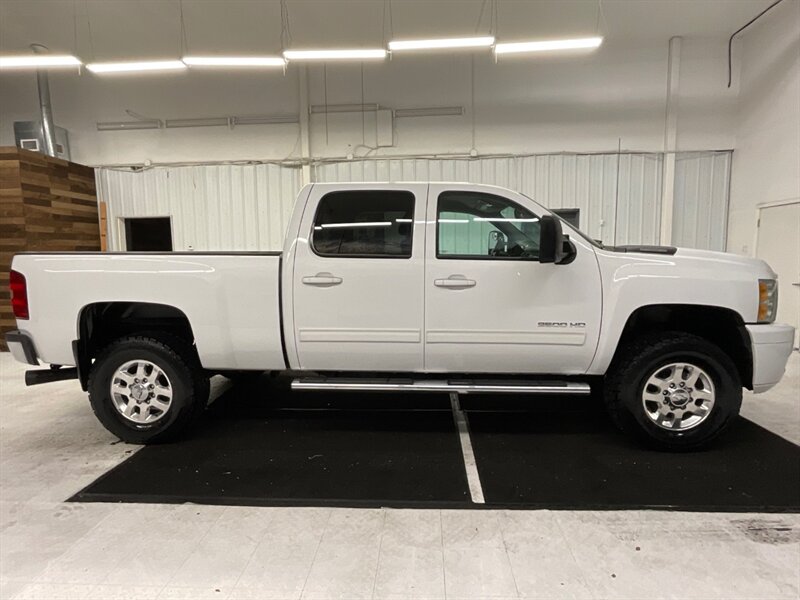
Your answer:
<point x="405" y="287"/>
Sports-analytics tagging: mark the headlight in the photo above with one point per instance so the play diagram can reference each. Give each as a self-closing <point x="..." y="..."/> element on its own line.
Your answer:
<point x="767" y="300"/>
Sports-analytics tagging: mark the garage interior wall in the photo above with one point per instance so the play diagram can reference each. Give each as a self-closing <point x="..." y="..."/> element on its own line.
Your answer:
<point x="766" y="166"/>
<point x="247" y="207"/>
<point x="702" y="193"/>
<point x="614" y="97"/>
<point x="213" y="207"/>
<point x="586" y="106"/>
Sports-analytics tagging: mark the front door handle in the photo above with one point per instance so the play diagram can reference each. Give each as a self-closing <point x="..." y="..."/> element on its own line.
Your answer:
<point x="322" y="280"/>
<point x="455" y="282"/>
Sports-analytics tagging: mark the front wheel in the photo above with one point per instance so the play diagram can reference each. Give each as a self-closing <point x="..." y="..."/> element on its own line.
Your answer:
<point x="147" y="389"/>
<point x="675" y="390"/>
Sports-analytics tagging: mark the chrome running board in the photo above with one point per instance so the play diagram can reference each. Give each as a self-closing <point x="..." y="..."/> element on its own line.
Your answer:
<point x="459" y="386"/>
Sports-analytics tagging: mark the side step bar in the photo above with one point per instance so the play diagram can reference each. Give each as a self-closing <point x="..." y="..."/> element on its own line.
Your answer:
<point x="459" y="386"/>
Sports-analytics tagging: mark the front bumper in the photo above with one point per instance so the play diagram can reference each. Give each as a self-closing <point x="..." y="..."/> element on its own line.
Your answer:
<point x="21" y="346"/>
<point x="771" y="345"/>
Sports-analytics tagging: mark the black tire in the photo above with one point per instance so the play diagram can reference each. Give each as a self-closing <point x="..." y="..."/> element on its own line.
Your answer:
<point x="625" y="385"/>
<point x="177" y="359"/>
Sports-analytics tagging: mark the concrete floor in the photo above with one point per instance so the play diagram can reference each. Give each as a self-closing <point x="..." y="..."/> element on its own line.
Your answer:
<point x="51" y="446"/>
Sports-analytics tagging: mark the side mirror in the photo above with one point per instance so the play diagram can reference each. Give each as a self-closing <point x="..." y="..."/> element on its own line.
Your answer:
<point x="554" y="246"/>
<point x="497" y="244"/>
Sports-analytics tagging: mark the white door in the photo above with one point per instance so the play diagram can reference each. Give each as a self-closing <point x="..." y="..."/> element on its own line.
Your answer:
<point x="357" y="280"/>
<point x="779" y="245"/>
<point x="490" y="306"/>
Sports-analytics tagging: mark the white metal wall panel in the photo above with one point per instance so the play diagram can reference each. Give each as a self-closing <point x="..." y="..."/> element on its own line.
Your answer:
<point x="700" y="215"/>
<point x="638" y="213"/>
<point x="588" y="182"/>
<point x="247" y="207"/>
<point x="213" y="207"/>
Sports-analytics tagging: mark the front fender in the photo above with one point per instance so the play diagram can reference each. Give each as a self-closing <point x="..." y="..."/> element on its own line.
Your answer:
<point x="631" y="283"/>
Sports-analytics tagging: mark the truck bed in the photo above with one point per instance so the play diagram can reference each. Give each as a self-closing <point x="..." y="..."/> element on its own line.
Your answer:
<point x="231" y="299"/>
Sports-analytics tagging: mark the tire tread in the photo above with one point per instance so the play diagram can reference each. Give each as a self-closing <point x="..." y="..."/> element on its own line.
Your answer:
<point x="179" y="351"/>
<point x="622" y="372"/>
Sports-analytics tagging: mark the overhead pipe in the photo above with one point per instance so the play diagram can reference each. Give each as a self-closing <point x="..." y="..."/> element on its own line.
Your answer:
<point x="45" y="107"/>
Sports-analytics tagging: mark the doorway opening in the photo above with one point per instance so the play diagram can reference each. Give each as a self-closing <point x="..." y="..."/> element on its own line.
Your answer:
<point x="148" y="234"/>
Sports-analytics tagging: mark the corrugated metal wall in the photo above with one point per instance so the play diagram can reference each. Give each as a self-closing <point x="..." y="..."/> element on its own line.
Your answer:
<point x="587" y="182"/>
<point x="217" y="207"/>
<point x="702" y="188"/>
<point x="224" y="207"/>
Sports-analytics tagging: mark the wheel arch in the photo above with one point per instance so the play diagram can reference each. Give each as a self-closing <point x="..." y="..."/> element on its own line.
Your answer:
<point x="719" y="325"/>
<point x="100" y="323"/>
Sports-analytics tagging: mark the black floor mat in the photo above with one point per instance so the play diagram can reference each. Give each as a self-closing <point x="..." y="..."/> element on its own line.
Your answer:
<point x="316" y="449"/>
<point x="256" y="452"/>
<point x="576" y="460"/>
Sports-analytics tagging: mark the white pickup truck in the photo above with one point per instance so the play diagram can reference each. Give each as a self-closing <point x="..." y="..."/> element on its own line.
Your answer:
<point x="407" y="287"/>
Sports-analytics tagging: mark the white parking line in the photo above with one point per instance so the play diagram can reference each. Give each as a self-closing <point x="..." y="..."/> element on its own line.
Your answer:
<point x="474" y="481"/>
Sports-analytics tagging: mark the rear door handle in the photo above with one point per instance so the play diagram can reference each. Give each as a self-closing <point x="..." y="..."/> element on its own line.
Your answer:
<point x="455" y="282"/>
<point x="322" y="280"/>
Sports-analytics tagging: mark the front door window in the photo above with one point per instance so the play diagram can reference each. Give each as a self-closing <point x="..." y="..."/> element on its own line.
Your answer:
<point x="474" y="225"/>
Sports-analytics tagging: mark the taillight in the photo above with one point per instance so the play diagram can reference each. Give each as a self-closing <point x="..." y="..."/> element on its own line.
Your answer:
<point x="19" y="295"/>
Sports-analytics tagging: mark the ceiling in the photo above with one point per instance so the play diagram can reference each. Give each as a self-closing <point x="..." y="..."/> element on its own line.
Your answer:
<point x="129" y="29"/>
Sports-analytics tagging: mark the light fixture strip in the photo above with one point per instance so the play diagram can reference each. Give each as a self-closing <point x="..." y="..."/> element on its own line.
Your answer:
<point x="135" y="67"/>
<point x="234" y="61"/>
<point x="324" y="55"/>
<point x="548" y="45"/>
<point x="128" y="125"/>
<point x="435" y="44"/>
<point x="434" y="111"/>
<point x="37" y="61"/>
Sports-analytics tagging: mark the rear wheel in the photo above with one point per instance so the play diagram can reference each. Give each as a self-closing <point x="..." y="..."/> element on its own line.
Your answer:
<point x="147" y="389"/>
<point x="675" y="390"/>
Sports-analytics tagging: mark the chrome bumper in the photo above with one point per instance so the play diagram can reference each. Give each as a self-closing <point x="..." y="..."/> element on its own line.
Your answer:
<point x="771" y="345"/>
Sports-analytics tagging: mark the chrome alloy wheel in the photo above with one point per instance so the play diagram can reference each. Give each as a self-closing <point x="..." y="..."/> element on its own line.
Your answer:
<point x="678" y="396"/>
<point x="141" y="391"/>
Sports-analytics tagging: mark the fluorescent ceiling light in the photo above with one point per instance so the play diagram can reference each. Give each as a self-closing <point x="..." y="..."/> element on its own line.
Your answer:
<point x="470" y="42"/>
<point x="360" y="224"/>
<point x="126" y="125"/>
<point x="356" y="54"/>
<point x="39" y="60"/>
<point x="434" y="111"/>
<point x="234" y="61"/>
<point x="134" y="67"/>
<point x="548" y="45"/>
<point x="505" y="220"/>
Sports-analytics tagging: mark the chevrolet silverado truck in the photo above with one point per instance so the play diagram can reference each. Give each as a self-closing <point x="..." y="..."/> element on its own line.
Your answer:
<point x="406" y="287"/>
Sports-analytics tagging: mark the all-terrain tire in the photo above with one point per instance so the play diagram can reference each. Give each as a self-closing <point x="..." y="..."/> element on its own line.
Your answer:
<point x="625" y="386"/>
<point x="177" y="360"/>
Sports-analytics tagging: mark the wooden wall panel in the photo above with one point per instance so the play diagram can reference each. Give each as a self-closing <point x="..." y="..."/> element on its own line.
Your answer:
<point x="46" y="204"/>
